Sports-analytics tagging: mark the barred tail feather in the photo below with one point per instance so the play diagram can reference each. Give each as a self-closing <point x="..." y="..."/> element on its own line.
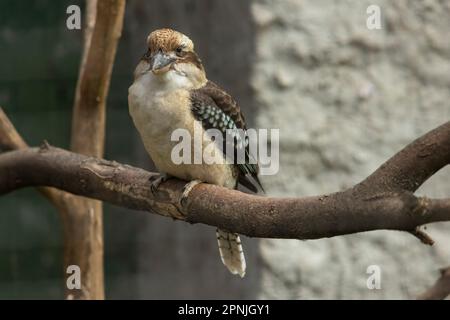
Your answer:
<point x="231" y="252"/>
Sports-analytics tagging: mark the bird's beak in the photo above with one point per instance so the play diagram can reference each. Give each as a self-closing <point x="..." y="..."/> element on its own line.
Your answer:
<point x="161" y="62"/>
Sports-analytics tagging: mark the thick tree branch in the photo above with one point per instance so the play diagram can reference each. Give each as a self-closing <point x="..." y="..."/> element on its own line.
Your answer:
<point x="102" y="36"/>
<point x="355" y="210"/>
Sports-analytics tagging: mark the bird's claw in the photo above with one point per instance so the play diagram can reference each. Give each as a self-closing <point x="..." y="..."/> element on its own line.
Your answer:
<point x="186" y="190"/>
<point x="154" y="184"/>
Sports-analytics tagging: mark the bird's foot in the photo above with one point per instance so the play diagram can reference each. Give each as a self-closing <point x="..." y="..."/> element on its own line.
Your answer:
<point x="186" y="190"/>
<point x="156" y="182"/>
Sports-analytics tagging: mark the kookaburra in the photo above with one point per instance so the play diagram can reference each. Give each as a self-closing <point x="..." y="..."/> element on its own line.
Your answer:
<point x="171" y="91"/>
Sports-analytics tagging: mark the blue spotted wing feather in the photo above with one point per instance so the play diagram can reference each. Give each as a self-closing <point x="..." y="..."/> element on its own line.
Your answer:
<point x="216" y="109"/>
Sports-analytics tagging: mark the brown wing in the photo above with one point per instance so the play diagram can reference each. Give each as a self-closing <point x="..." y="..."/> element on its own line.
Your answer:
<point x="215" y="108"/>
<point x="225" y="102"/>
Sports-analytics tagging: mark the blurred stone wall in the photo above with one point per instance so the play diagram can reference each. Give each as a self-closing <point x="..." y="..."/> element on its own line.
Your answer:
<point x="346" y="98"/>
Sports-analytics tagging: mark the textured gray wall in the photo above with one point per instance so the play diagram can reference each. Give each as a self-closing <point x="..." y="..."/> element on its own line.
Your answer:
<point x="346" y="98"/>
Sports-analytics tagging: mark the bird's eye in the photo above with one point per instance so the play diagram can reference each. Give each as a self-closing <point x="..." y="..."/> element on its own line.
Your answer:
<point x="179" y="51"/>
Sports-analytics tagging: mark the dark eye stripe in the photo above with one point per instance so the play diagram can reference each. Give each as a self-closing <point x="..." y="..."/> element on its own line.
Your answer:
<point x="193" y="58"/>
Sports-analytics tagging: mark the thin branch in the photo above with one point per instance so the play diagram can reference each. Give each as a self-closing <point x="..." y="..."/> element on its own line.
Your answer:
<point x="10" y="139"/>
<point x="440" y="290"/>
<point x="413" y="165"/>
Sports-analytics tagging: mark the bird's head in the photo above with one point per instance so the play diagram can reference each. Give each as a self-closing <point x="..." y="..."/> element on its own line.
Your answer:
<point x="171" y="52"/>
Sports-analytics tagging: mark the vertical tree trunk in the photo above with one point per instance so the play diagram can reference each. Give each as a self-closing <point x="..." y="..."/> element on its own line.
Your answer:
<point x="82" y="217"/>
